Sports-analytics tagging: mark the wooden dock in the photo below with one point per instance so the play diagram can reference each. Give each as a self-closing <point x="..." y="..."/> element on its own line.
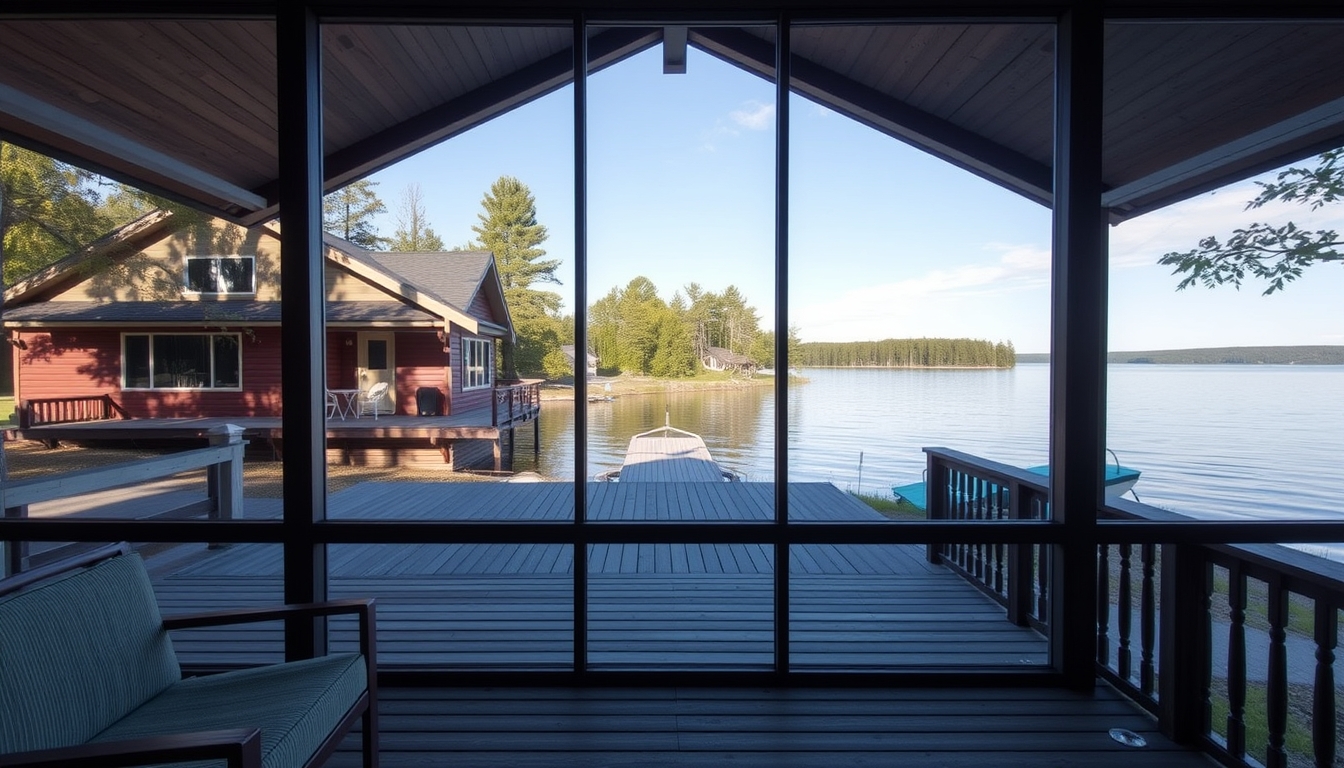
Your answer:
<point x="669" y="455"/>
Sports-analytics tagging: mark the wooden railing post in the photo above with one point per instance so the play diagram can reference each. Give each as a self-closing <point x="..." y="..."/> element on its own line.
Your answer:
<point x="1021" y="583"/>
<point x="226" y="477"/>
<point x="935" y="498"/>
<point x="1184" y="644"/>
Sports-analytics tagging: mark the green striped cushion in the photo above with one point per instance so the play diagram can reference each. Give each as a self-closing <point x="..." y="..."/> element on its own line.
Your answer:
<point x="79" y="653"/>
<point x="296" y="705"/>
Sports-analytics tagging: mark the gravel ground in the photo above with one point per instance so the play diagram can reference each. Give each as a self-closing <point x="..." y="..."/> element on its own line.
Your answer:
<point x="261" y="479"/>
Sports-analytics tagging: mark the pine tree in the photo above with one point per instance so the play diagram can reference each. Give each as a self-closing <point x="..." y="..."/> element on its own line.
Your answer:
<point x="508" y="228"/>
<point x="348" y="213"/>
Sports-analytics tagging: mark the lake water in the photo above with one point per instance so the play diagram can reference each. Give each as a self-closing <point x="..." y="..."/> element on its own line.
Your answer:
<point x="1212" y="440"/>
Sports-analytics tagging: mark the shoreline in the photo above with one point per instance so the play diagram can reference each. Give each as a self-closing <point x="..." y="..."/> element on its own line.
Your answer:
<point x="630" y="386"/>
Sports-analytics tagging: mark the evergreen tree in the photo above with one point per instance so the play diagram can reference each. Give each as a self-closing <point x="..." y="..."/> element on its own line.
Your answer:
<point x="413" y="231"/>
<point x="508" y="228"/>
<point x="348" y="213"/>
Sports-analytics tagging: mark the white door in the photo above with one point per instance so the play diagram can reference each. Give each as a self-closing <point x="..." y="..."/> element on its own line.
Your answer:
<point x="377" y="362"/>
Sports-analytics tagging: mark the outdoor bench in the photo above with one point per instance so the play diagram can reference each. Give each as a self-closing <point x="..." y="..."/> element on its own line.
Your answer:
<point x="88" y="676"/>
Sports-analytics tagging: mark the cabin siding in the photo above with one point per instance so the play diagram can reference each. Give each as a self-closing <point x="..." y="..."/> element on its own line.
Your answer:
<point x="420" y="363"/>
<point x="343" y="286"/>
<point x="342" y="359"/>
<point x="481" y="310"/>
<point x="87" y="361"/>
<point x="157" y="272"/>
<point x="473" y="398"/>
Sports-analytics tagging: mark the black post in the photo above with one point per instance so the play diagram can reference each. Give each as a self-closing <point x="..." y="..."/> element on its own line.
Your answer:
<point x="783" y="75"/>
<point x="302" y="314"/>
<point x="1078" y="343"/>
<point x="580" y="339"/>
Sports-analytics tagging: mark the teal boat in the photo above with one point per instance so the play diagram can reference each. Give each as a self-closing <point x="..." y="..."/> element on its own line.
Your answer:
<point x="1119" y="480"/>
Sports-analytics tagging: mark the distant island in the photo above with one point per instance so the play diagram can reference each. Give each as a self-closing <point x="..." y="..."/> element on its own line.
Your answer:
<point x="1310" y="355"/>
<point x="908" y="353"/>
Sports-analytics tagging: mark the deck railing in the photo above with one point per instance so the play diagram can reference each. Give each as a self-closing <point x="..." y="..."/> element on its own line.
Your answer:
<point x="965" y="487"/>
<point x="66" y="410"/>
<point x="222" y="460"/>
<point x="1231" y="646"/>
<point x="516" y="402"/>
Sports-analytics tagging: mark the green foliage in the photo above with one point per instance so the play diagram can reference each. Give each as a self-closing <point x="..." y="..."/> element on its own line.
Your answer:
<point x="413" y="231"/>
<point x="633" y="330"/>
<point x="909" y="353"/>
<point x="348" y="213"/>
<point x="1275" y="254"/>
<point x="556" y="365"/>
<point x="508" y="228"/>
<point x="49" y="209"/>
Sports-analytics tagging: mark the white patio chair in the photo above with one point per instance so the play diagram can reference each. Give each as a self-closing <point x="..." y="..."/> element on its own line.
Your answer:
<point x="333" y="406"/>
<point x="373" y="400"/>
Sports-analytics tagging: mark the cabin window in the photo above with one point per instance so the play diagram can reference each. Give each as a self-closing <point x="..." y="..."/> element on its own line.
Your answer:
<point x="477" y="367"/>
<point x="221" y="274"/>
<point x="181" y="361"/>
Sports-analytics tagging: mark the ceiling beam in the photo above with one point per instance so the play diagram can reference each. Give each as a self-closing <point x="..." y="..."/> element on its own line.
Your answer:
<point x="890" y="116"/>
<point x="51" y="130"/>
<point x="1304" y="135"/>
<point x="467" y="111"/>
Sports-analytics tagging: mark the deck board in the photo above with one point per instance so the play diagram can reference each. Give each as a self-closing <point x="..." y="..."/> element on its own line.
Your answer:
<point x="571" y="727"/>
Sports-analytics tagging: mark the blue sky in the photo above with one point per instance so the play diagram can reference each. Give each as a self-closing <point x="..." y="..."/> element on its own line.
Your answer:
<point x="886" y="241"/>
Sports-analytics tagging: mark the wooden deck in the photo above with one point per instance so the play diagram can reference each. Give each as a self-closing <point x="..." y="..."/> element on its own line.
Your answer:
<point x="651" y="606"/>
<point x="687" y="727"/>
<point x="466" y="440"/>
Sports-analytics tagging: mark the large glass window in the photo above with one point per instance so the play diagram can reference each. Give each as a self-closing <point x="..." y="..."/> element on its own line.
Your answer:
<point x="182" y="361"/>
<point x="477" y="368"/>
<point x="220" y="274"/>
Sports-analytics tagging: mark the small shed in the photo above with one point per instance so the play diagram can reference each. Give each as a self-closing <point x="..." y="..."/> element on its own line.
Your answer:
<point x="720" y="359"/>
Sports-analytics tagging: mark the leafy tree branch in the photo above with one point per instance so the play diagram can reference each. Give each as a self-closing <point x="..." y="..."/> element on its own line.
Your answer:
<point x="1276" y="254"/>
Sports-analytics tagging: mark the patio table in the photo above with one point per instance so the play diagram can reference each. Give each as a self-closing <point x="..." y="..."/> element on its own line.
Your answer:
<point x="347" y="402"/>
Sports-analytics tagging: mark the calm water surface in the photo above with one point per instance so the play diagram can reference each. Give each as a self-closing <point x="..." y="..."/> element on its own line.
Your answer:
<point x="1213" y="440"/>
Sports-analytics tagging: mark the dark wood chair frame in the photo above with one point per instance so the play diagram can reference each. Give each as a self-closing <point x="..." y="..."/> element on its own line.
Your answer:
<point x="241" y="748"/>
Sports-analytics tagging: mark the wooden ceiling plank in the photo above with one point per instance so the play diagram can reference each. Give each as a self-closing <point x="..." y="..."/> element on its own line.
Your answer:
<point x="65" y="83"/>
<point x="1003" y="71"/>
<point x="469" y="110"/>
<point x="255" y="117"/>
<point x="919" y="52"/>
<point x="133" y="94"/>
<point x="77" y="132"/>
<point x="881" y="112"/>
<point x="1328" y="118"/>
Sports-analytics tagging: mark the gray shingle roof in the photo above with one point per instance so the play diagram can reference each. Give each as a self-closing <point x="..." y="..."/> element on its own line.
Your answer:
<point x="216" y="312"/>
<point x="453" y="277"/>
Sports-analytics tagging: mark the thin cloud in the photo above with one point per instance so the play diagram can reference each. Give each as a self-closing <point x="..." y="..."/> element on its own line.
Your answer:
<point x="754" y="116"/>
<point x="944" y="302"/>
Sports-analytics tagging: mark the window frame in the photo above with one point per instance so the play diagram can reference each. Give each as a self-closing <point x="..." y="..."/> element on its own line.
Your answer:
<point x="150" y="336"/>
<point x="215" y="272"/>
<point x="475" y="373"/>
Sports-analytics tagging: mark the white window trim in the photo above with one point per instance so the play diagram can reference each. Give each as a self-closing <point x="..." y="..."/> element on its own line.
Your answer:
<point x="487" y="371"/>
<point x="186" y="288"/>
<point x="151" y="388"/>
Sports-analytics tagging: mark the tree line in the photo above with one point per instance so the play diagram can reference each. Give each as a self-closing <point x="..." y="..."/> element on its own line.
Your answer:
<point x="910" y="353"/>
<point x="633" y="330"/>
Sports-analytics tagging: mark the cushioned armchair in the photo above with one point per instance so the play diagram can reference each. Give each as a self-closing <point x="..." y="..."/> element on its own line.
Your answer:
<point x="88" y="676"/>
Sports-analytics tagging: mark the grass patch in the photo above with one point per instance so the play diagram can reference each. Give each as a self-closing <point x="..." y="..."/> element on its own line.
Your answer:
<point x="896" y="509"/>
<point x="1297" y="739"/>
<point x="7" y="415"/>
